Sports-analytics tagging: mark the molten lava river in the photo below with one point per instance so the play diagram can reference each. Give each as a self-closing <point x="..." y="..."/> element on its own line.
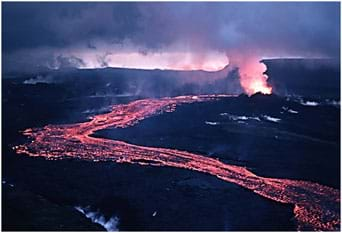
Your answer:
<point x="316" y="206"/>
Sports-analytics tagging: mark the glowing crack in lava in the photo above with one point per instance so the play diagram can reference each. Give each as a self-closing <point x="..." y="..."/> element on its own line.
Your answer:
<point x="316" y="206"/>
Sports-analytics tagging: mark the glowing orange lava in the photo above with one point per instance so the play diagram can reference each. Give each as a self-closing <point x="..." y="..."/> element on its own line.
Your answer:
<point x="253" y="86"/>
<point x="315" y="206"/>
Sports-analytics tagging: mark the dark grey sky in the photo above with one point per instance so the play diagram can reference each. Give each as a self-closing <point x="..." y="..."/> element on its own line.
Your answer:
<point x="74" y="34"/>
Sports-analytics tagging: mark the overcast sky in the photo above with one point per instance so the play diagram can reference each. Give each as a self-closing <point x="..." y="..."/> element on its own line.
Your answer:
<point x="165" y="35"/>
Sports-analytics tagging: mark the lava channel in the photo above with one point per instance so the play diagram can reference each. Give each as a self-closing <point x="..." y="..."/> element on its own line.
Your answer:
<point x="316" y="207"/>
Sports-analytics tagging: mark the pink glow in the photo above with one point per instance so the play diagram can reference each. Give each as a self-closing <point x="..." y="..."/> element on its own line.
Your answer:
<point x="252" y="78"/>
<point x="210" y="61"/>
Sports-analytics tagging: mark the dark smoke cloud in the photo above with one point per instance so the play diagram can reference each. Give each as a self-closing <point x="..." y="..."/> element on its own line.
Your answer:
<point x="279" y="29"/>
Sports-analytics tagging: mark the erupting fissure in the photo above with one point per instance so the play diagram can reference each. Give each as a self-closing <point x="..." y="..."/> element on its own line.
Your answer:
<point x="316" y="207"/>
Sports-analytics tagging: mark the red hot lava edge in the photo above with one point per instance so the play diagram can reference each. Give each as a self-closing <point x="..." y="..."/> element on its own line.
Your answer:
<point x="316" y="206"/>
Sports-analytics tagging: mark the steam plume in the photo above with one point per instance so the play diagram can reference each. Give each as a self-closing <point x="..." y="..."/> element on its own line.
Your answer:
<point x="252" y="77"/>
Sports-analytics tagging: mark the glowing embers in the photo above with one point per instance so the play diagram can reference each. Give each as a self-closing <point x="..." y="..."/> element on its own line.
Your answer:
<point x="316" y="206"/>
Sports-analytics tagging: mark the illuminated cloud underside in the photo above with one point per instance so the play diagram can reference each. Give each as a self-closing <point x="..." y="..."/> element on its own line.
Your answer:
<point x="211" y="61"/>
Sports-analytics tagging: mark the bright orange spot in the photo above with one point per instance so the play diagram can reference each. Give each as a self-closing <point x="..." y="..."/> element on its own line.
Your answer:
<point x="252" y="86"/>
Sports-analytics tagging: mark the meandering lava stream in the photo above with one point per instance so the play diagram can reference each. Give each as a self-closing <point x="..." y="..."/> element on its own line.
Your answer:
<point x="316" y="207"/>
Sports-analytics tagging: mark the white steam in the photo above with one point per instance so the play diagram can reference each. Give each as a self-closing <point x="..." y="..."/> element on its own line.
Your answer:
<point x="39" y="79"/>
<point x="96" y="217"/>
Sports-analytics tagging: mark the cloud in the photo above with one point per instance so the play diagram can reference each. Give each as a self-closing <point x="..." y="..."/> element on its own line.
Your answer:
<point x="258" y="29"/>
<point x="66" y="62"/>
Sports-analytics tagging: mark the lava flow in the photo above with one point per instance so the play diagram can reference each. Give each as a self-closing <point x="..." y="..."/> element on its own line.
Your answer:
<point x="316" y="207"/>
